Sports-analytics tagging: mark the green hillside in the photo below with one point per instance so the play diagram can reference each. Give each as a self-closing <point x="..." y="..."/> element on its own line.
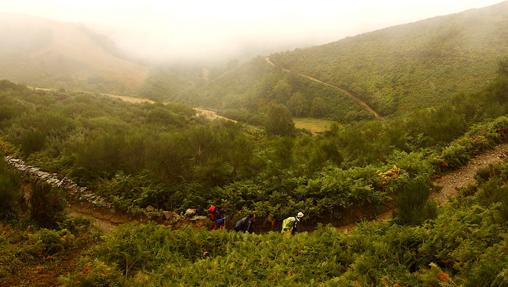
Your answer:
<point x="394" y="70"/>
<point x="158" y="159"/>
<point x="255" y="85"/>
<point x="414" y="65"/>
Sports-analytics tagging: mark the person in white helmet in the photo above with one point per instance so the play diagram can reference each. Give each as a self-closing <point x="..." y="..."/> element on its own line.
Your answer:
<point x="290" y="225"/>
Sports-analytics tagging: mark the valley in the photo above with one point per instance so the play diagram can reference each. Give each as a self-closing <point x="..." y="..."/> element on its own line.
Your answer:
<point x="146" y="149"/>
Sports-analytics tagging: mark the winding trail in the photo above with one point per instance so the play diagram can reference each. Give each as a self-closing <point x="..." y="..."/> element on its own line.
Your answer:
<point x="211" y="115"/>
<point x="452" y="182"/>
<point x="107" y="221"/>
<point x="351" y="95"/>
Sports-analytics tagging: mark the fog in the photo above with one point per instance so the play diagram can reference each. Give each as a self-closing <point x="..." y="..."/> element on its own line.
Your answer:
<point x="228" y="29"/>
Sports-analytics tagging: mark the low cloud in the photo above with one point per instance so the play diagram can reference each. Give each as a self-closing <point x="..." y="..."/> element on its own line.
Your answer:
<point x="227" y="29"/>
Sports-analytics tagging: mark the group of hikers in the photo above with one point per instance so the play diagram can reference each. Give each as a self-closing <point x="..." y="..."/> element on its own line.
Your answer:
<point x="290" y="225"/>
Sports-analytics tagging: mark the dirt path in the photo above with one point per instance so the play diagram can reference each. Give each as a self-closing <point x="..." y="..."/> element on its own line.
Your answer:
<point x="104" y="221"/>
<point x="346" y="92"/>
<point x="132" y="100"/>
<point x="452" y="182"/>
<point x="211" y="115"/>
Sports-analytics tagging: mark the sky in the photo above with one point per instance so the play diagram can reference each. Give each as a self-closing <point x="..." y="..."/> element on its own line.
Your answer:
<point x="200" y="29"/>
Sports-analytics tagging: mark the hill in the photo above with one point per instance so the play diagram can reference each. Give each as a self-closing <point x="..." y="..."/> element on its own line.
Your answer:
<point x="47" y="53"/>
<point x="158" y="160"/>
<point x="394" y="70"/>
<point x="414" y="65"/>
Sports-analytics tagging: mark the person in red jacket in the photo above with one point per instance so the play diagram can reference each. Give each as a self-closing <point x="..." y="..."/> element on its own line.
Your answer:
<point x="217" y="215"/>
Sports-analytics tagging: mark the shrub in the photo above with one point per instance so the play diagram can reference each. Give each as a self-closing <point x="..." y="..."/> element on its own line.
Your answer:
<point x="413" y="207"/>
<point x="46" y="242"/>
<point x="95" y="274"/>
<point x="47" y="205"/>
<point x="279" y="121"/>
<point x="9" y="192"/>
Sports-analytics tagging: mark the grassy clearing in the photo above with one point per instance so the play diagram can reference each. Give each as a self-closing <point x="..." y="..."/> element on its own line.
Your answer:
<point x="313" y="125"/>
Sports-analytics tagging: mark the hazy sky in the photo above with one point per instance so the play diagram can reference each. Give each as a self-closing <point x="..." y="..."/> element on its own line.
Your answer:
<point x="208" y="28"/>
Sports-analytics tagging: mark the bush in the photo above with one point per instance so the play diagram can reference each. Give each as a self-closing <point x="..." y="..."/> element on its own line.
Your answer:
<point x="9" y="192"/>
<point x="279" y="121"/>
<point x="478" y="139"/>
<point x="46" y="242"/>
<point x="95" y="274"/>
<point x="413" y="207"/>
<point x="47" y="205"/>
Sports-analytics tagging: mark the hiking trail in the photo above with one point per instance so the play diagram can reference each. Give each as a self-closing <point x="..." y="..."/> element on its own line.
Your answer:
<point x="452" y="182"/>
<point x="106" y="219"/>
<point x="349" y="94"/>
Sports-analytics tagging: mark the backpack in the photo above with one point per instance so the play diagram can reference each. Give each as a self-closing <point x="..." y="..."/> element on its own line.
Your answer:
<point x="241" y="224"/>
<point x="288" y="224"/>
<point x="211" y="212"/>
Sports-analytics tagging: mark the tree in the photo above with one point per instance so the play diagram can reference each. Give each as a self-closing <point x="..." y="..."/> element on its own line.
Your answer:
<point x="318" y="107"/>
<point x="298" y="105"/>
<point x="279" y="121"/>
<point x="282" y="91"/>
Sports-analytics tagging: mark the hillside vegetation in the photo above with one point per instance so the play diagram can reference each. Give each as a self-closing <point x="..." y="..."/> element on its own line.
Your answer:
<point x="255" y="85"/>
<point x="144" y="156"/>
<point x="442" y="90"/>
<point x="415" y="65"/>
<point x="162" y="156"/>
<point x="52" y="54"/>
<point x="395" y="70"/>
<point x="464" y="246"/>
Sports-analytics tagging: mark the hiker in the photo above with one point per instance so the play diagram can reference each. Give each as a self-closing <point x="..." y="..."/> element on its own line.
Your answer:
<point x="217" y="215"/>
<point x="246" y="224"/>
<point x="291" y="224"/>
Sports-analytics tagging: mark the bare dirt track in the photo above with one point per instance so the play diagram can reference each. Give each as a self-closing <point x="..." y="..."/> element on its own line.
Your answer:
<point x="104" y="221"/>
<point x="452" y="182"/>
<point x="211" y="115"/>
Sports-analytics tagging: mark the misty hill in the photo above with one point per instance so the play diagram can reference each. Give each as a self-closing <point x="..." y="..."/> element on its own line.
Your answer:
<point x="413" y="65"/>
<point x="47" y="53"/>
<point x="394" y="70"/>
